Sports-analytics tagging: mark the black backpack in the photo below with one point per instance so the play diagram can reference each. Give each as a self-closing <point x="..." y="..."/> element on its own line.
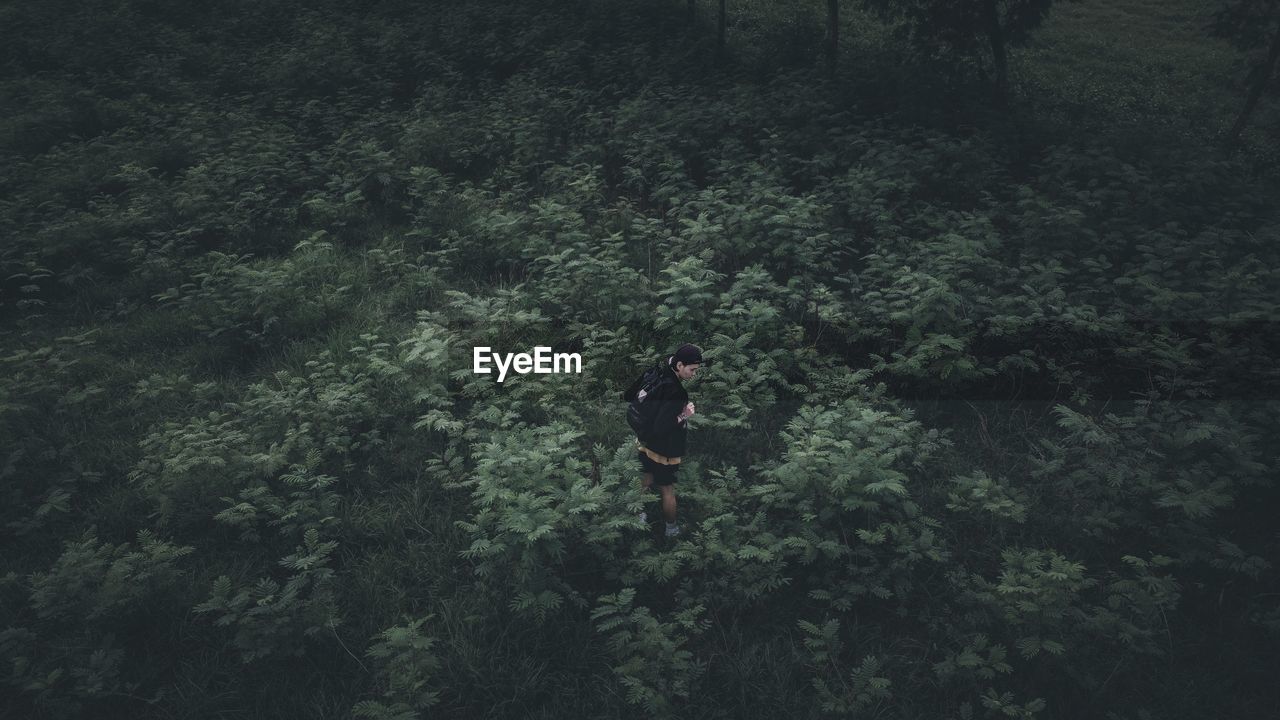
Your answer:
<point x="640" y="414"/>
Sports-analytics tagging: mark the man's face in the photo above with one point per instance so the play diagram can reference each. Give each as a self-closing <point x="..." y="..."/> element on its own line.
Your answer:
<point x="686" y="372"/>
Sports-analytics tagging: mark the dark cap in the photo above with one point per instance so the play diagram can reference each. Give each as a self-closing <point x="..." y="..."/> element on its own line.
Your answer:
<point x="687" y="354"/>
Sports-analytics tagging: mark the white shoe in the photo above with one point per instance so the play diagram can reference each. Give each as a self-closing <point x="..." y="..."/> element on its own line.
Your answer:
<point x="644" y="518"/>
<point x="673" y="530"/>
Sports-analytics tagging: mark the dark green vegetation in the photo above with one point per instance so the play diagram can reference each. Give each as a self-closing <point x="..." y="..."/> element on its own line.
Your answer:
<point x="990" y="431"/>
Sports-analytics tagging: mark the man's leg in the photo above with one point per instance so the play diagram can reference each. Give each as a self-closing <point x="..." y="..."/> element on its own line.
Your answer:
<point x="668" y="502"/>
<point x="646" y="486"/>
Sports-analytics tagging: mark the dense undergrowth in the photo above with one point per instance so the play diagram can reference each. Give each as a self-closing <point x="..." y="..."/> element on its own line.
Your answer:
<point x="989" y="430"/>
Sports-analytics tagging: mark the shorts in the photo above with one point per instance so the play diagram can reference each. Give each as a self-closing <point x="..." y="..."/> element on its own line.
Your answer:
<point x="662" y="474"/>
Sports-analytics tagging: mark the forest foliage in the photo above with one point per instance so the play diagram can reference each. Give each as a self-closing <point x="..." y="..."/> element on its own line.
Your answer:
<point x="988" y="433"/>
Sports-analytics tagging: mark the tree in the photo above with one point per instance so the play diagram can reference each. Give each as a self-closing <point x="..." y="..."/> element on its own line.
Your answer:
<point x="960" y="26"/>
<point x="720" y="25"/>
<point x="833" y="35"/>
<point x="1253" y="26"/>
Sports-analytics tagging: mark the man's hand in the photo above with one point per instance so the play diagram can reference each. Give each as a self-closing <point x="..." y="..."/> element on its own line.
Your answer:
<point x="688" y="412"/>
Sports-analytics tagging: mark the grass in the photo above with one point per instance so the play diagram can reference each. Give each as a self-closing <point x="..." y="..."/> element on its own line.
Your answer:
<point x="1143" y="73"/>
<point x="1147" y="70"/>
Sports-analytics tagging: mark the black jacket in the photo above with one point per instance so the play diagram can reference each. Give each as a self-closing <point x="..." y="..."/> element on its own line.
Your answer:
<point x="668" y="436"/>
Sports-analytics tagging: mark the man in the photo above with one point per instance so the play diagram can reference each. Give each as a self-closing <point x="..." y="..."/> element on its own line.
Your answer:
<point x="660" y="452"/>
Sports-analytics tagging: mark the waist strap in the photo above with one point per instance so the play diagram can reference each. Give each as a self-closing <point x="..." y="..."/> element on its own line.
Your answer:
<point x="660" y="459"/>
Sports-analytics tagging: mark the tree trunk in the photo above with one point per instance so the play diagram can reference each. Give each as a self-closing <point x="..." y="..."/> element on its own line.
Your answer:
<point x="1264" y="73"/>
<point x="991" y="19"/>
<point x="833" y="36"/>
<point x="720" y="32"/>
